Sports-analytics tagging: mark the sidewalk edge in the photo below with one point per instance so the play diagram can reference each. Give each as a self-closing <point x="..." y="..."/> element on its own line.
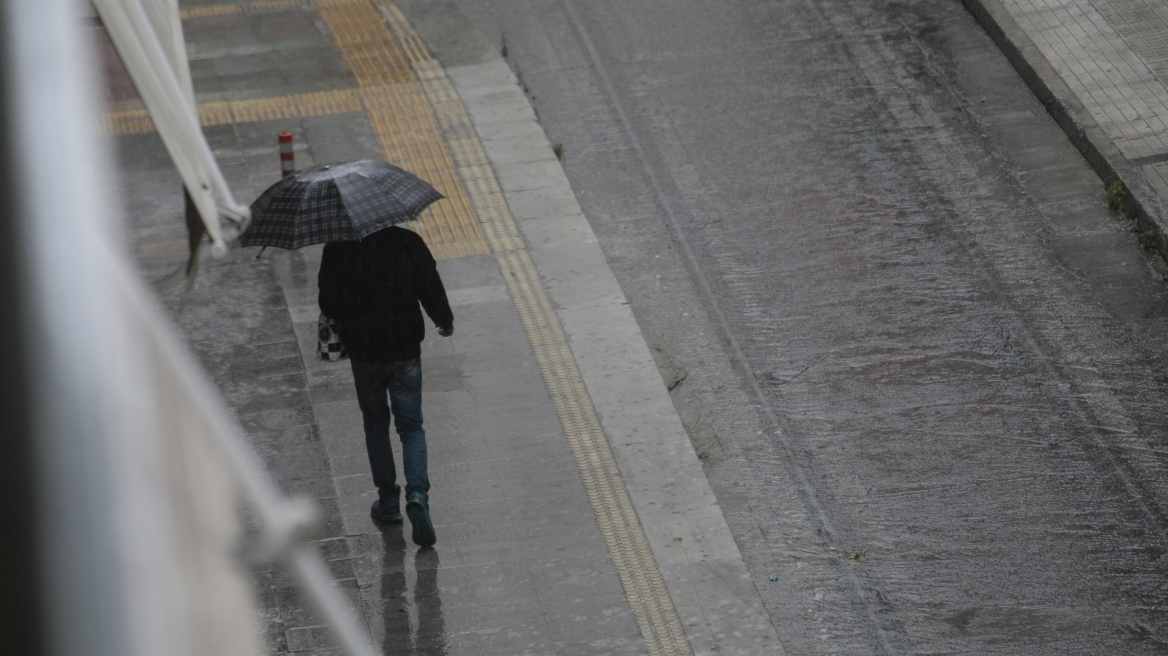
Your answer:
<point x="719" y="605"/>
<point x="1064" y="107"/>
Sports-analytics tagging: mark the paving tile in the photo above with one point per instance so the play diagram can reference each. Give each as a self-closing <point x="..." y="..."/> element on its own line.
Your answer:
<point x="575" y="588"/>
<point x="523" y="446"/>
<point x="502" y="104"/>
<point x="452" y="447"/>
<point x="337" y="137"/>
<point x="307" y="639"/>
<point x="356" y="493"/>
<point x="455" y="491"/>
<point x="528" y="176"/>
<point x="557" y="558"/>
<point x="448" y="510"/>
<point x="524" y="133"/>
<point x="604" y="646"/>
<point x="479" y="552"/>
<point x="483" y="618"/>
<point x="535" y="204"/>
<point x="295" y="611"/>
<point x="333" y="548"/>
<point x="489" y="530"/>
<point x="322" y="487"/>
<point x="542" y="490"/>
<point x="508" y="642"/>
<point x="585" y="619"/>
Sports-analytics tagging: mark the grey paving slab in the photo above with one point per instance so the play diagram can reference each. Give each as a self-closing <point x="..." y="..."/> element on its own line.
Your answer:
<point x="522" y="153"/>
<point x="568" y="558"/>
<point x="509" y="134"/>
<point x="586" y="617"/>
<point x="552" y="206"/>
<point x="526" y="176"/>
<point x="263" y="54"/>
<point x="484" y="337"/>
<point x="458" y="417"/>
<point x="337" y="137"/>
<point x="547" y="230"/>
<point x="499" y="104"/>
<point x="469" y="618"/>
<point x="469" y="273"/>
<point x="577" y="276"/>
<point x="484" y="294"/>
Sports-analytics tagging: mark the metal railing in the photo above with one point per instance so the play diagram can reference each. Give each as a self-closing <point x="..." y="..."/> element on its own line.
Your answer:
<point x="123" y="471"/>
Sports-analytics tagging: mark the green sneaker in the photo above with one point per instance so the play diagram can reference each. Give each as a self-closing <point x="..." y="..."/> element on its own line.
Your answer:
<point x="386" y="510"/>
<point x="418" y="510"/>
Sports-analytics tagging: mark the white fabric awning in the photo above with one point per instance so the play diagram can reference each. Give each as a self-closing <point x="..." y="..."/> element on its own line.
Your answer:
<point x="148" y="36"/>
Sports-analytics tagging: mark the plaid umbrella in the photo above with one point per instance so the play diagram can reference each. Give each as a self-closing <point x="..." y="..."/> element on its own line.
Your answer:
<point x="346" y="201"/>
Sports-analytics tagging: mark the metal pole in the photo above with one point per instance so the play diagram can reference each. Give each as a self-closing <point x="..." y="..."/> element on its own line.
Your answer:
<point x="52" y="233"/>
<point x="21" y="617"/>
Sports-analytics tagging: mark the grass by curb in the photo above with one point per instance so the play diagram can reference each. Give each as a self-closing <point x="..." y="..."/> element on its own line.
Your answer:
<point x="1120" y="200"/>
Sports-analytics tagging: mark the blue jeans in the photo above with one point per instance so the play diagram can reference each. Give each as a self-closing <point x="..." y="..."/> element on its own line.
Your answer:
<point x="403" y="382"/>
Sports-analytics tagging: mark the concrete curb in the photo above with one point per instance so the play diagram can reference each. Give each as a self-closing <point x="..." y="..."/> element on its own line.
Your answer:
<point x="714" y="594"/>
<point x="1065" y="108"/>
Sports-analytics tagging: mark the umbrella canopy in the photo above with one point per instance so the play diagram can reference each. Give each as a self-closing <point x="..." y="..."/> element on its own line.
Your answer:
<point x="345" y="201"/>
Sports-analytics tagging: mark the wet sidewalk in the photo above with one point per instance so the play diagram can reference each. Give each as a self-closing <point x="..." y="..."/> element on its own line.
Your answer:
<point x="572" y="514"/>
<point x="1101" y="68"/>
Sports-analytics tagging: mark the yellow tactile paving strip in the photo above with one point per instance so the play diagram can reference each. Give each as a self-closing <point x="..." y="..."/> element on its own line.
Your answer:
<point x="136" y="119"/>
<point x="369" y="48"/>
<point x="415" y="49"/>
<point x="406" y="130"/>
<point x="627" y="543"/>
<point x="262" y="109"/>
<point x="227" y="10"/>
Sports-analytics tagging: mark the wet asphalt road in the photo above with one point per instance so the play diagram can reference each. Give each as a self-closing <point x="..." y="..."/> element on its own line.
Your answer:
<point x="923" y="363"/>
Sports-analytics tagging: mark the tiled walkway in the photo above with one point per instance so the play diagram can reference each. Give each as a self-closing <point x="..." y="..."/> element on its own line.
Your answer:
<point x="538" y="410"/>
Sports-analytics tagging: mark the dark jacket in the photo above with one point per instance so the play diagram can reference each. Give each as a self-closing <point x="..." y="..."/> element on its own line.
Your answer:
<point x="373" y="287"/>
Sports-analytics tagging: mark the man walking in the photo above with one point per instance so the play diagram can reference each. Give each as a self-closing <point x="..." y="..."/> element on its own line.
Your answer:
<point x="373" y="288"/>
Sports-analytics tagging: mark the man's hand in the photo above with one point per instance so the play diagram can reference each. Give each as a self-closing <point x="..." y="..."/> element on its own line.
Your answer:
<point x="446" y="332"/>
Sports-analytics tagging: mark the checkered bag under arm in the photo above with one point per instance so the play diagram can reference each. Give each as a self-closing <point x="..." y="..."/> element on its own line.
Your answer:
<point x="328" y="340"/>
